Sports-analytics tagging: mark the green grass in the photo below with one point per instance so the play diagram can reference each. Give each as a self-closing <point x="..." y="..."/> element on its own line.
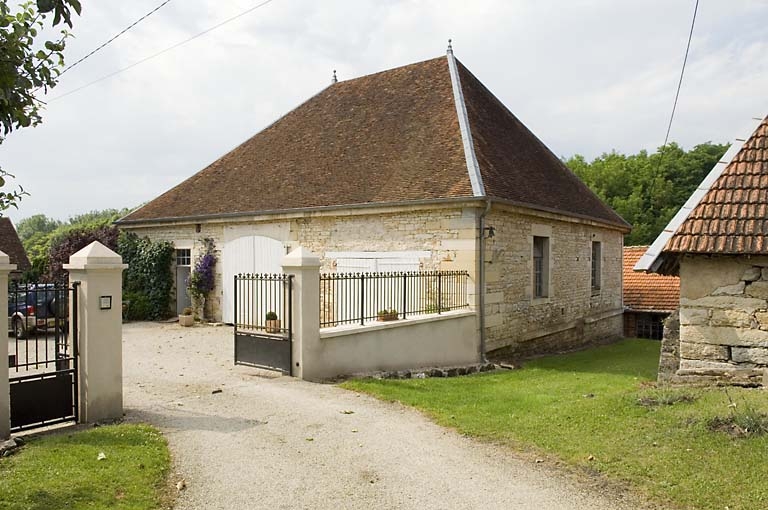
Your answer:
<point x="602" y="403"/>
<point x="62" y="470"/>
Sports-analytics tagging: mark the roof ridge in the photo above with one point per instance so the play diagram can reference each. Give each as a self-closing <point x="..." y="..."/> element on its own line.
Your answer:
<point x="651" y="260"/>
<point x="473" y="168"/>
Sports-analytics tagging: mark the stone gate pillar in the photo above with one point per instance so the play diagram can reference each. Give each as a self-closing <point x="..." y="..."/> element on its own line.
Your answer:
<point x="5" y="396"/>
<point x="305" y="268"/>
<point x="100" y="329"/>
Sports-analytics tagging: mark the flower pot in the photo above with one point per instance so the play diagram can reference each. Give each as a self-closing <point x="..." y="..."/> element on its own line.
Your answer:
<point x="382" y="317"/>
<point x="273" y="326"/>
<point x="186" y="320"/>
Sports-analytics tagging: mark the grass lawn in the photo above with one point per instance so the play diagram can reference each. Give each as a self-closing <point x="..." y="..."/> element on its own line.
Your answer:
<point x="62" y="470"/>
<point x="586" y="405"/>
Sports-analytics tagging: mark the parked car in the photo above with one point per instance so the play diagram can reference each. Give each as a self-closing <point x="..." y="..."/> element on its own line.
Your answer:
<point x="37" y="307"/>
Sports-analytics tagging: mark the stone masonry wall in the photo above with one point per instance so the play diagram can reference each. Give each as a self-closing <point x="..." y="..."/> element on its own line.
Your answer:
<point x="448" y="233"/>
<point x="723" y="319"/>
<point x="573" y="315"/>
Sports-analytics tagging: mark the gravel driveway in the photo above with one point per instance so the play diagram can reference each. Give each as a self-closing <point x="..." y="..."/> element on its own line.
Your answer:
<point x="277" y="442"/>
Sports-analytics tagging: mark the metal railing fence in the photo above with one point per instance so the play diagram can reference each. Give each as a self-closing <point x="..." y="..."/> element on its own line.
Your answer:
<point x="357" y="298"/>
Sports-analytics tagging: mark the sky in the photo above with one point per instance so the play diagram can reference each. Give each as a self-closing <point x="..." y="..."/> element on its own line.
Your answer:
<point x="586" y="76"/>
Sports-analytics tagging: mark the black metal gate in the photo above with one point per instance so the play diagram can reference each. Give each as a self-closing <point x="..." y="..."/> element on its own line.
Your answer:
<point x="42" y="362"/>
<point x="263" y="332"/>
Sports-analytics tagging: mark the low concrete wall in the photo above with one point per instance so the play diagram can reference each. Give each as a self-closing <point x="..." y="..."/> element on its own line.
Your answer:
<point x="436" y="340"/>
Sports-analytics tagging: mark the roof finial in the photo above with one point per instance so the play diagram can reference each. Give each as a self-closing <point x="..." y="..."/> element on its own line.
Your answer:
<point x="334" y="79"/>
<point x="450" y="48"/>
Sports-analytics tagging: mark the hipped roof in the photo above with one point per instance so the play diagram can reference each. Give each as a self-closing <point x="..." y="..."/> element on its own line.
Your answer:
<point x="388" y="138"/>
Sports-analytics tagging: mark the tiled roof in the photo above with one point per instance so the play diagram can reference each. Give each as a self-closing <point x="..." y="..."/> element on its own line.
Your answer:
<point x="390" y="137"/>
<point x="732" y="217"/>
<point x="10" y="244"/>
<point x="648" y="291"/>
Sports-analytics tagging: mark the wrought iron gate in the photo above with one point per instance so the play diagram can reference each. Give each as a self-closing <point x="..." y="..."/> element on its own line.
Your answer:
<point x="42" y="361"/>
<point x="262" y="313"/>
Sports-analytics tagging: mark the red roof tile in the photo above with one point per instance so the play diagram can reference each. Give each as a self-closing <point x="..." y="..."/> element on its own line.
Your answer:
<point x="731" y="217"/>
<point x="648" y="291"/>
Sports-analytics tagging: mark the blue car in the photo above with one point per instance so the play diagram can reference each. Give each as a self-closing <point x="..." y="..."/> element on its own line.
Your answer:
<point x="37" y="307"/>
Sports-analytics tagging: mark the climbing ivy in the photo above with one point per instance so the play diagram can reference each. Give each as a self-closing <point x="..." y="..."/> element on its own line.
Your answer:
<point x="148" y="281"/>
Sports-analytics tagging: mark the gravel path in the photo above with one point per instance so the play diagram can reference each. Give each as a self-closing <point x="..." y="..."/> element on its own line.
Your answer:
<point x="277" y="442"/>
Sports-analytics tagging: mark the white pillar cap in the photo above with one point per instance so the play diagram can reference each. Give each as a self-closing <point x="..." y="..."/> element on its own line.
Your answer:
<point x="301" y="257"/>
<point x="95" y="256"/>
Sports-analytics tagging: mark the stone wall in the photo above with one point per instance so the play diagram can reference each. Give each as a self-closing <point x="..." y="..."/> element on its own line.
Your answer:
<point x="573" y="314"/>
<point x="446" y="232"/>
<point x="723" y="319"/>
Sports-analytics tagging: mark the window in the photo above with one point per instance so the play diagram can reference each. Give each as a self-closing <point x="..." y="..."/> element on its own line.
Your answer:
<point x="184" y="257"/>
<point x="650" y="326"/>
<point x="596" y="263"/>
<point x="540" y="267"/>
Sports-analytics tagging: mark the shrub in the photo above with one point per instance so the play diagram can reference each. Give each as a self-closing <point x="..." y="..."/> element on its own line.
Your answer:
<point x="148" y="277"/>
<point x="72" y="241"/>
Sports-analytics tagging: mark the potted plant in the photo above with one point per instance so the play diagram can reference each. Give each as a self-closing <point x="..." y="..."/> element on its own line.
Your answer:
<point x="272" y="322"/>
<point x="202" y="279"/>
<point x="387" y="315"/>
<point x="186" y="318"/>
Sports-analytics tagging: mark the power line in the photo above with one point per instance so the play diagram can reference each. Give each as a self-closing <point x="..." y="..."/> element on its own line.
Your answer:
<point x="116" y="36"/>
<point x="680" y="82"/>
<point x="161" y="52"/>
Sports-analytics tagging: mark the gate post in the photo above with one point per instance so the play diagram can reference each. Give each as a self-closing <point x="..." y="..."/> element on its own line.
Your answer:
<point x="5" y="392"/>
<point x="305" y="268"/>
<point x="100" y="367"/>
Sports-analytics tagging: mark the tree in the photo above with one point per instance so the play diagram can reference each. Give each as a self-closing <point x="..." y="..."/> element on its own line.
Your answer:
<point x="27" y="66"/>
<point x="647" y="190"/>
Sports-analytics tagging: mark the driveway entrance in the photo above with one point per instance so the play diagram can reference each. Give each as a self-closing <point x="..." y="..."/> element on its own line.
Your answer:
<point x="243" y="438"/>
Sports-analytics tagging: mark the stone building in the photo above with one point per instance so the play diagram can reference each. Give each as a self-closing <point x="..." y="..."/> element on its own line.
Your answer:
<point x="418" y="167"/>
<point x="648" y="298"/>
<point x="718" y="244"/>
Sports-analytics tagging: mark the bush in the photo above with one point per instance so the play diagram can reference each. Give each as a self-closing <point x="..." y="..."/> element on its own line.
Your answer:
<point x="72" y="241"/>
<point x="139" y="306"/>
<point x="148" y="279"/>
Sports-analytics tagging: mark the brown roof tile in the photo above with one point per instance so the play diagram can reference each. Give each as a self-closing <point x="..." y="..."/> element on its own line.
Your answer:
<point x="731" y="217"/>
<point x="648" y="291"/>
<point x="11" y="245"/>
<point x="517" y="166"/>
<point x="385" y="138"/>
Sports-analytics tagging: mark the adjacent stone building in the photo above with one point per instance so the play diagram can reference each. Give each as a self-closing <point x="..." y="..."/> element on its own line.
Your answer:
<point x="648" y="298"/>
<point x="718" y="244"/>
<point x="418" y="167"/>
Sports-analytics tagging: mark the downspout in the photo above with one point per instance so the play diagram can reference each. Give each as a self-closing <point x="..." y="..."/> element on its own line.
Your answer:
<point x="481" y="278"/>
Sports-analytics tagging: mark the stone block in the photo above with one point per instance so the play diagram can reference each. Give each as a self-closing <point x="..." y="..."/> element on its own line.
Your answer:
<point x="736" y="289"/>
<point x="757" y="290"/>
<point x="762" y="319"/>
<point x="703" y="352"/>
<point x="694" y="364"/>
<point x="765" y="274"/>
<point x="752" y="274"/>
<point x="745" y="304"/>
<point x="739" y="337"/>
<point x="694" y="316"/>
<point x="731" y="318"/>
<point x="755" y="355"/>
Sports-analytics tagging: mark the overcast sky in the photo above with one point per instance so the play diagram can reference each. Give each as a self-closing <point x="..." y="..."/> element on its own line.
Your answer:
<point x="586" y="76"/>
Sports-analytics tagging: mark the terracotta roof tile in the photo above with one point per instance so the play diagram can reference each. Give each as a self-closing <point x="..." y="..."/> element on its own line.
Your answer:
<point x="11" y="245"/>
<point x="648" y="291"/>
<point x="731" y="217"/>
<point x="389" y="137"/>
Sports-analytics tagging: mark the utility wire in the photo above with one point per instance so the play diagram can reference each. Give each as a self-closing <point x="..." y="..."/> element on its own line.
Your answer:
<point x="680" y="82"/>
<point x="161" y="52"/>
<point x="116" y="36"/>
